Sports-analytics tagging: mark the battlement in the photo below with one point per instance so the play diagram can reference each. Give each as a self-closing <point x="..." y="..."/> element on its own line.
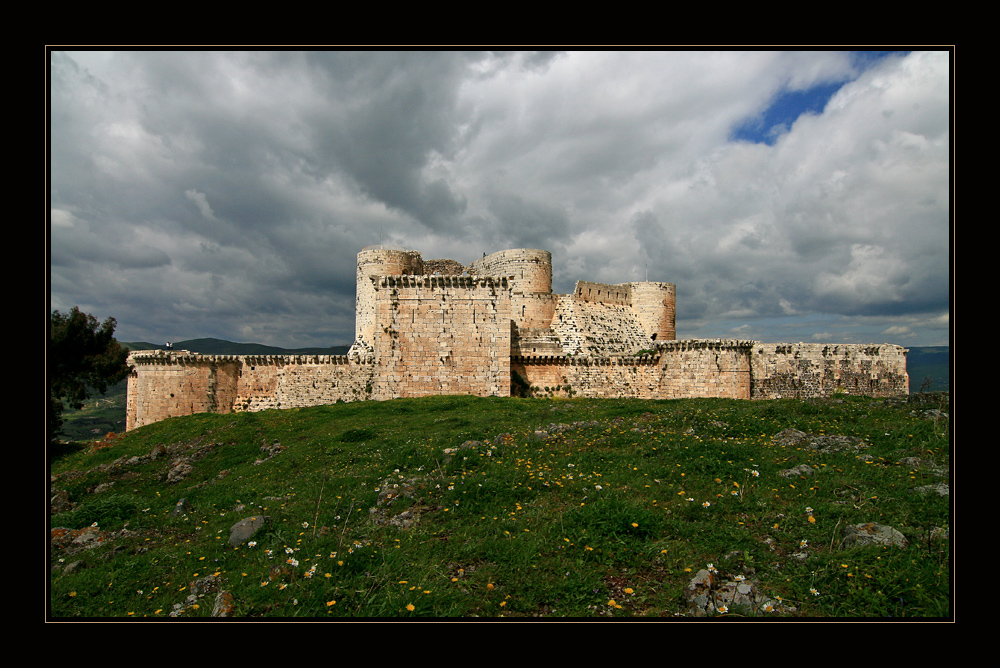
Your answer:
<point x="495" y="328"/>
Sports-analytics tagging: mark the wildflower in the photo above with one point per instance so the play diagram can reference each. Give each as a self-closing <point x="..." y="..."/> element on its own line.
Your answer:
<point x="628" y="590"/>
<point x="812" y="590"/>
<point x="723" y="609"/>
<point x="410" y="607"/>
<point x="803" y="543"/>
<point x="329" y="603"/>
<point x="252" y="543"/>
<point x="598" y="488"/>
<point x="305" y="525"/>
<point x="739" y="578"/>
<point x="711" y="569"/>
<point x="706" y="504"/>
<point x="768" y="607"/>
<point x="635" y="525"/>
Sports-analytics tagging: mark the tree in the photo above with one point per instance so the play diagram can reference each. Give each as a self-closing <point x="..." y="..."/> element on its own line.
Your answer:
<point x="83" y="357"/>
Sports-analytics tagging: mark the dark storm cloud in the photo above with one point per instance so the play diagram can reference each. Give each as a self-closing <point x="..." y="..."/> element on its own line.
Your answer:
<point x="227" y="194"/>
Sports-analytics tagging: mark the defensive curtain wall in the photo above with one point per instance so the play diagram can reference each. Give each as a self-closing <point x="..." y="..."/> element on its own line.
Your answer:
<point x="494" y="328"/>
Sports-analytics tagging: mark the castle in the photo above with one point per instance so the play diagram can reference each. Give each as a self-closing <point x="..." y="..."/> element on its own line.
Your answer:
<point x="495" y="328"/>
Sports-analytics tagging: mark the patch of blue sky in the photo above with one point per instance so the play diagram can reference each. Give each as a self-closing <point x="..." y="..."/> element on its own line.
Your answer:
<point x="788" y="105"/>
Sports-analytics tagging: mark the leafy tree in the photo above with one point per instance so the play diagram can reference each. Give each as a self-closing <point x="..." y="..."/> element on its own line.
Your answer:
<point x="83" y="357"/>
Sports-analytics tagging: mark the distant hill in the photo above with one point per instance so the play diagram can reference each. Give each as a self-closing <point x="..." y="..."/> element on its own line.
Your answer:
<point x="221" y="347"/>
<point x="931" y="364"/>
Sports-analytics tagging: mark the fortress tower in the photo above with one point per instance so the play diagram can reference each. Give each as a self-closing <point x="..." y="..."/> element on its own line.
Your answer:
<point x="374" y="261"/>
<point x="529" y="271"/>
<point x="655" y="309"/>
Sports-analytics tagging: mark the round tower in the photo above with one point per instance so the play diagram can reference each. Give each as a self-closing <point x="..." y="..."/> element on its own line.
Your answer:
<point x="373" y="261"/>
<point x="655" y="307"/>
<point x="530" y="273"/>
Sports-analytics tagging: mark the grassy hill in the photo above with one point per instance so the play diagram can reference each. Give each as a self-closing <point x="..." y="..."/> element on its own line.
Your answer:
<point x="488" y="507"/>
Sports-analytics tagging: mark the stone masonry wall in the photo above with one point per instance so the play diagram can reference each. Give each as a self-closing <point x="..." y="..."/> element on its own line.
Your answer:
<point x="163" y="385"/>
<point x="797" y="370"/>
<point x="598" y="328"/>
<point x="171" y="385"/>
<point x="442" y="335"/>
<point x="705" y="368"/>
<point x="682" y="369"/>
<point x="284" y="381"/>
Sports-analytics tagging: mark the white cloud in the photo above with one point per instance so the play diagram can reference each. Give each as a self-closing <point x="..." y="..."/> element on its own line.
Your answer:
<point x="620" y="163"/>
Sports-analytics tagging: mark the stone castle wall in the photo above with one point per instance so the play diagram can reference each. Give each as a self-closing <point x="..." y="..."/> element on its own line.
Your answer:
<point x="496" y="329"/>
<point x="797" y="370"/>
<point x="442" y="335"/>
<point x="163" y="385"/>
<point x="677" y="370"/>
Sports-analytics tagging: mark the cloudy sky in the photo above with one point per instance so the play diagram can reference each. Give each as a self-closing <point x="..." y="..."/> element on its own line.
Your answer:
<point x="789" y="196"/>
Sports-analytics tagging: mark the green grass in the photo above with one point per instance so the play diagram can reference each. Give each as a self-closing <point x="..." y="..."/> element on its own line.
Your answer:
<point x="625" y="504"/>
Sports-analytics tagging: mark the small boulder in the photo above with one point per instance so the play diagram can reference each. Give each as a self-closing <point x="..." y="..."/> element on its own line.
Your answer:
<point x="243" y="530"/>
<point x="801" y="469"/>
<point x="871" y="533"/>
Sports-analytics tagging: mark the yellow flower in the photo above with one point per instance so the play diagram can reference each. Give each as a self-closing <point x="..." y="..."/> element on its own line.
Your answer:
<point x="410" y="607"/>
<point x="329" y="603"/>
<point x="635" y="525"/>
<point x="628" y="590"/>
<point x="503" y="603"/>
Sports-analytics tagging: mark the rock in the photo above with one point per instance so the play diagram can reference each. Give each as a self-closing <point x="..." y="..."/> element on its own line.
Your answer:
<point x="181" y="507"/>
<point x="708" y="594"/>
<point x="789" y="437"/>
<point x="224" y="606"/>
<point x="179" y="470"/>
<point x="243" y="530"/>
<point x="826" y="444"/>
<point x="60" y="503"/>
<point x="871" y="533"/>
<point x="941" y="489"/>
<point x="74" y="540"/>
<point x="698" y="592"/>
<point x="801" y="469"/>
